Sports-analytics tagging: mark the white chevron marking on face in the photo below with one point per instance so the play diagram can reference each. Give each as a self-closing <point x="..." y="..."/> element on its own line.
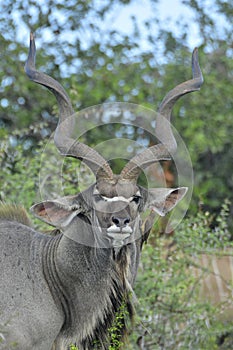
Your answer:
<point x="118" y="198"/>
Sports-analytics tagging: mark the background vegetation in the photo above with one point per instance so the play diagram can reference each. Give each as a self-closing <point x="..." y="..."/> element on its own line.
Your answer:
<point x="98" y="63"/>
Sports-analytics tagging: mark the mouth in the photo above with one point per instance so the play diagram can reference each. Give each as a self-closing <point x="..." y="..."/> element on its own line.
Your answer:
<point x="118" y="235"/>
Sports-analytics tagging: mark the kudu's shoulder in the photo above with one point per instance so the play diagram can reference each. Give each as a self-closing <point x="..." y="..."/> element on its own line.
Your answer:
<point x="15" y="224"/>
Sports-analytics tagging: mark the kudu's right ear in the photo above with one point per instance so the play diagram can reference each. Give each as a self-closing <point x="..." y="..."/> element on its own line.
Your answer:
<point x="162" y="200"/>
<point x="58" y="213"/>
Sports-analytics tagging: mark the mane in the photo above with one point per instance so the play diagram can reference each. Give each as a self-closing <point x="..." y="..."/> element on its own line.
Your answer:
<point x="114" y="327"/>
<point x="14" y="212"/>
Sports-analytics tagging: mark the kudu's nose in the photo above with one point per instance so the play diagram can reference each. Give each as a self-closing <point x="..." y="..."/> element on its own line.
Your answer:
<point x="120" y="222"/>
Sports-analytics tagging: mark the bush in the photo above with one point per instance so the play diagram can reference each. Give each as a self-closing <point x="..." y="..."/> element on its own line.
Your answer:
<point x="172" y="314"/>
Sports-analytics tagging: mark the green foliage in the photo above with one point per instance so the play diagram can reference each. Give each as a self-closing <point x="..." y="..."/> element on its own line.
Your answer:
<point x="115" y="330"/>
<point x="19" y="174"/>
<point x="172" y="314"/>
<point x="73" y="347"/>
<point x="99" y="64"/>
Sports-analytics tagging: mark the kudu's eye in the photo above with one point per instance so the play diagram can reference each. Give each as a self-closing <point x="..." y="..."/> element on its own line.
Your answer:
<point x="98" y="198"/>
<point x="136" y="199"/>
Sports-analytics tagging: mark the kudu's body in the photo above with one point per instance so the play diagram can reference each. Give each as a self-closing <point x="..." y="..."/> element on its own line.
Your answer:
<point x="67" y="289"/>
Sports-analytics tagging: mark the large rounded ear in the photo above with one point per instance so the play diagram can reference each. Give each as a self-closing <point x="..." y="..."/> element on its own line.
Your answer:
<point x="58" y="213"/>
<point x="162" y="200"/>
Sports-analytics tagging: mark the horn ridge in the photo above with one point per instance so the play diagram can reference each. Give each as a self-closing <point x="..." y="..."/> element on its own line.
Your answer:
<point x="163" y="129"/>
<point x="62" y="138"/>
<point x="184" y="88"/>
<point x="141" y="161"/>
<point x="44" y="79"/>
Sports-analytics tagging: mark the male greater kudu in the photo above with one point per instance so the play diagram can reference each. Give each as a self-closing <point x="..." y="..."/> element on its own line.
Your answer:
<point x="56" y="290"/>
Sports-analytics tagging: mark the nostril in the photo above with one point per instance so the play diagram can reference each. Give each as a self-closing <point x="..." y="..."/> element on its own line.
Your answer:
<point x="126" y="221"/>
<point x="116" y="221"/>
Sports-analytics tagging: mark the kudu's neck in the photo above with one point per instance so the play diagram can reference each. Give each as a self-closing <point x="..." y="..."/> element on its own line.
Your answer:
<point x="89" y="286"/>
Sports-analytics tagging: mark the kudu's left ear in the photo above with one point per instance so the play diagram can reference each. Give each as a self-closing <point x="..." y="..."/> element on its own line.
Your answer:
<point x="58" y="213"/>
<point x="162" y="200"/>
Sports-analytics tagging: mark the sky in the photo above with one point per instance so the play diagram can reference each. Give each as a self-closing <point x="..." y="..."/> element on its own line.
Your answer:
<point x="119" y="18"/>
<point x="170" y="12"/>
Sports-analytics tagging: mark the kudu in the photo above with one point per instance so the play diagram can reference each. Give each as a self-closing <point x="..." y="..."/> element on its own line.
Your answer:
<point x="56" y="291"/>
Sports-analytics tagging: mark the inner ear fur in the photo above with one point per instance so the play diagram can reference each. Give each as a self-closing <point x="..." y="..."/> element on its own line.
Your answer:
<point x="162" y="200"/>
<point x="58" y="213"/>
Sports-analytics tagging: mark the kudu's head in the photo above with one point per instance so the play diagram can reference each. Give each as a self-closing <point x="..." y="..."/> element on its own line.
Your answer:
<point x="114" y="203"/>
